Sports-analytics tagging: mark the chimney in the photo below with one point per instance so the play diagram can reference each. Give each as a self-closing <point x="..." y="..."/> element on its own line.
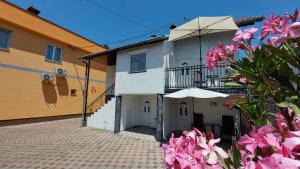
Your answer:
<point x="172" y="27"/>
<point x="33" y="10"/>
<point x="153" y="36"/>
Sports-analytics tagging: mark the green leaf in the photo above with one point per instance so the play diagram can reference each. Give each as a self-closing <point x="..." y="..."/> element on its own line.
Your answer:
<point x="236" y="154"/>
<point x="232" y="84"/>
<point x="294" y="107"/>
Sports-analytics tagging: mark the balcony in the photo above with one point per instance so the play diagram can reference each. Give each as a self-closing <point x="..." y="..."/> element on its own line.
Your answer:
<point x="219" y="79"/>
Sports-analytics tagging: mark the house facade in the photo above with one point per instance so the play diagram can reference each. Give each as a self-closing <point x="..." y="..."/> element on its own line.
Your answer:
<point x="31" y="47"/>
<point x="140" y="74"/>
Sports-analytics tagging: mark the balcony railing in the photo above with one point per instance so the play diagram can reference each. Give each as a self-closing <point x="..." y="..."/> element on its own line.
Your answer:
<point x="199" y="76"/>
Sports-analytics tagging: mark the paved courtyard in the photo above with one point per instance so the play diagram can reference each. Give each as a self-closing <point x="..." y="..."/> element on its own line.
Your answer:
<point x="64" y="144"/>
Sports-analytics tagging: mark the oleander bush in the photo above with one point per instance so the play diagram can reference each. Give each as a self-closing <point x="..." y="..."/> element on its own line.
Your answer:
<point x="270" y="70"/>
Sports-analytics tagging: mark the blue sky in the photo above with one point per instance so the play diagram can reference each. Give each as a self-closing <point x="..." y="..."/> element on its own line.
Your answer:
<point x="105" y="21"/>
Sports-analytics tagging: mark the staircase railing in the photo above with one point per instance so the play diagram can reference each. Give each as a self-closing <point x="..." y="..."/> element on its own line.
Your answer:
<point x="102" y="99"/>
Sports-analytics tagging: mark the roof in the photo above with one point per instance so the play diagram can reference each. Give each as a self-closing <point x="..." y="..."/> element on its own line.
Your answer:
<point x="248" y="21"/>
<point x="23" y="18"/>
<point x="239" y="22"/>
<point x="128" y="46"/>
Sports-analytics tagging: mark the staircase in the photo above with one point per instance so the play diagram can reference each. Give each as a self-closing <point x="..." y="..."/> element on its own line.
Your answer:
<point x="104" y="110"/>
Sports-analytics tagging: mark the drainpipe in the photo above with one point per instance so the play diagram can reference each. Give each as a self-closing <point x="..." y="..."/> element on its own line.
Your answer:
<point x="85" y="92"/>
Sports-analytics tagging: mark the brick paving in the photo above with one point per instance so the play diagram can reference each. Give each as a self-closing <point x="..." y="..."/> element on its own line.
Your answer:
<point x="64" y="144"/>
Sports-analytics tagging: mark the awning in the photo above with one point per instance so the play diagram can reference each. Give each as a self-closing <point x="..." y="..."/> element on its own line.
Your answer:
<point x="203" y="25"/>
<point x="195" y="93"/>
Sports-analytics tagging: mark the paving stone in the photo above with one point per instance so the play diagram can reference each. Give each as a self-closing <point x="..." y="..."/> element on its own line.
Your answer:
<point x="64" y="144"/>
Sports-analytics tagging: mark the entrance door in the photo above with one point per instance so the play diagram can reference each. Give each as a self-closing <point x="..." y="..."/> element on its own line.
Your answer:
<point x="198" y="121"/>
<point x="228" y="125"/>
<point x="183" y="116"/>
<point x="148" y="115"/>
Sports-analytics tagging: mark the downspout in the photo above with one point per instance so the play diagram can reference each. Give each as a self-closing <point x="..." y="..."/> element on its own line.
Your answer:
<point x="85" y="92"/>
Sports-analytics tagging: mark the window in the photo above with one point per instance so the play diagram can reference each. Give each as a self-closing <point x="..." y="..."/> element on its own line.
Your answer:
<point x="138" y="63"/>
<point x="147" y="107"/>
<point x="53" y="53"/>
<point x="73" y="92"/>
<point x="183" y="108"/>
<point x="185" y="69"/>
<point x="5" y="39"/>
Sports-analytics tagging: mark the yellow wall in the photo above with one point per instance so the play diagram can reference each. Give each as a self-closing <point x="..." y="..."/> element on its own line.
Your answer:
<point x="17" y="16"/>
<point x="22" y="93"/>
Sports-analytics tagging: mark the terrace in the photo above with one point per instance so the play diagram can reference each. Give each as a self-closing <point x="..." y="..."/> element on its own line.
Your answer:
<point x="219" y="79"/>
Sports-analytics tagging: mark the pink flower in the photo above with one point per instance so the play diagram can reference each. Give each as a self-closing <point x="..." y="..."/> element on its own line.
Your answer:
<point x="211" y="151"/>
<point x="293" y="145"/>
<point x="294" y="29"/>
<point x="229" y="104"/>
<point x="295" y="16"/>
<point x="246" y="160"/>
<point x="290" y="111"/>
<point x="233" y="47"/>
<point x="272" y="140"/>
<point x="277" y="161"/>
<point x="280" y="29"/>
<point x="258" y="138"/>
<point x="243" y="80"/>
<point x="281" y="124"/>
<point x="246" y="34"/>
<point x="270" y="25"/>
<point x="171" y="150"/>
<point x="249" y="143"/>
<point x="212" y="58"/>
<point x="222" y="53"/>
<point x="192" y="161"/>
<point x="296" y="123"/>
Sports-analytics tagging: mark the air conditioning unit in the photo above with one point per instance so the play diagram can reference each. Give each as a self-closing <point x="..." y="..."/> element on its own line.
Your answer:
<point x="60" y="72"/>
<point x="47" y="77"/>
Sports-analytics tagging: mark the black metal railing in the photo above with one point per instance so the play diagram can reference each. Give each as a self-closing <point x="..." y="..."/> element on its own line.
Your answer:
<point x="198" y="76"/>
<point x="102" y="99"/>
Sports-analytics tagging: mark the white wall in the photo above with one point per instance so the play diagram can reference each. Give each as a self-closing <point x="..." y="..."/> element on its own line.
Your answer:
<point x="168" y="116"/>
<point x="188" y="50"/>
<point x="130" y="105"/>
<point x="110" y="76"/>
<point x="132" y="108"/>
<point x="210" y="113"/>
<point x="213" y="113"/>
<point x="104" y="118"/>
<point x="150" y="82"/>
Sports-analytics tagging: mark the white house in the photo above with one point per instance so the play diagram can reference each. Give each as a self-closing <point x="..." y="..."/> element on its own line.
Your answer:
<point x="140" y="74"/>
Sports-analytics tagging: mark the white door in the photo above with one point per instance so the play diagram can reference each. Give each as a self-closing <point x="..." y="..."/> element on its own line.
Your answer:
<point x="145" y="115"/>
<point x="148" y="114"/>
<point x="183" y="116"/>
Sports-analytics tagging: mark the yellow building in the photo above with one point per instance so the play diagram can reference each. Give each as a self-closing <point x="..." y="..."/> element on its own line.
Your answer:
<point x="31" y="46"/>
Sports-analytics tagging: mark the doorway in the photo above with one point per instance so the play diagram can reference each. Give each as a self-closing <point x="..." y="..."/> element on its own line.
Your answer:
<point x="148" y="113"/>
<point x="228" y="125"/>
<point x="198" y="121"/>
<point x="183" y="116"/>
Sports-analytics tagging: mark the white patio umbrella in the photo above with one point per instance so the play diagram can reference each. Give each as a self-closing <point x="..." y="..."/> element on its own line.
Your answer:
<point x="195" y="93"/>
<point x="202" y="26"/>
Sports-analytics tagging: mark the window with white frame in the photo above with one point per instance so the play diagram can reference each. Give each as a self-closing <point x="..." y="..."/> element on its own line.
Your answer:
<point x="147" y="107"/>
<point x="183" y="109"/>
<point x="53" y="53"/>
<point x="185" y="69"/>
<point x="5" y="37"/>
<point x="138" y="63"/>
